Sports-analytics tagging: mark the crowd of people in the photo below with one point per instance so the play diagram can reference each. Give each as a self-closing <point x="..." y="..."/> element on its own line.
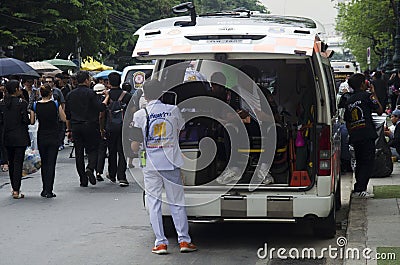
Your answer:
<point x="58" y="106"/>
<point x="91" y="116"/>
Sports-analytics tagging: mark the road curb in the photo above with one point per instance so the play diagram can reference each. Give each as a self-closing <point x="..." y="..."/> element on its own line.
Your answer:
<point x="356" y="232"/>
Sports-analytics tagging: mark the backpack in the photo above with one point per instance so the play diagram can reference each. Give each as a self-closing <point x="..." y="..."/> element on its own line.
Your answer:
<point x="115" y="113"/>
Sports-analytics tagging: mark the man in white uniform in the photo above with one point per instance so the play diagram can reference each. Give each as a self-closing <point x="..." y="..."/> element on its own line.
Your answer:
<point x="160" y="124"/>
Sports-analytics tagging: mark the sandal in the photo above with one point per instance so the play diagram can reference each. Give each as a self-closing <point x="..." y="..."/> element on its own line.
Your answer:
<point x="17" y="195"/>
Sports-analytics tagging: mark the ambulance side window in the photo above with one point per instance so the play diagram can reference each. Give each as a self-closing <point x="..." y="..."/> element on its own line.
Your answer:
<point x="331" y="89"/>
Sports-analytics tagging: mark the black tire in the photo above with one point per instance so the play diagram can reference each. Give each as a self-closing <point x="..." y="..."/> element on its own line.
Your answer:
<point x="326" y="227"/>
<point x="338" y="194"/>
<point x="169" y="228"/>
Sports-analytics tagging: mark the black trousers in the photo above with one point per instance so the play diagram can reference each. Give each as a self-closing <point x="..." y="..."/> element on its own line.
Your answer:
<point x="393" y="100"/>
<point x="61" y="133"/>
<point x="16" y="156"/>
<point x="48" y="150"/>
<point x="86" y="138"/>
<point x="116" y="157"/>
<point x="365" y="156"/>
<point x="3" y="155"/>
<point x="101" y="158"/>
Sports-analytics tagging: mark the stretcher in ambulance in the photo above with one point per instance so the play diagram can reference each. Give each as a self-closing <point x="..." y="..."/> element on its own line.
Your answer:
<point x="277" y="79"/>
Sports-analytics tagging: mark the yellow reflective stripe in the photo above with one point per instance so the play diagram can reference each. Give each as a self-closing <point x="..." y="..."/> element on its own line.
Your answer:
<point x="281" y="150"/>
<point x="251" y="150"/>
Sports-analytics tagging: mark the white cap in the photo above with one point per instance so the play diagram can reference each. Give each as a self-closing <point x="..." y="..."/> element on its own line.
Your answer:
<point x="99" y="88"/>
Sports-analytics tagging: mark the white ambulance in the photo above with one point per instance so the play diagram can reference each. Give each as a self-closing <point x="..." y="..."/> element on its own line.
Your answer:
<point x="343" y="69"/>
<point x="291" y="69"/>
<point x="137" y="74"/>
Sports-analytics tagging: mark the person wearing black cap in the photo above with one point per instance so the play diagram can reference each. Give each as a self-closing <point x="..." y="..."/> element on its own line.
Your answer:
<point x="116" y="157"/>
<point x="359" y="107"/>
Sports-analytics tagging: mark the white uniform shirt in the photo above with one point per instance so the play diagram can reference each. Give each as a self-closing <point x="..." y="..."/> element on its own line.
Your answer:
<point x="162" y="143"/>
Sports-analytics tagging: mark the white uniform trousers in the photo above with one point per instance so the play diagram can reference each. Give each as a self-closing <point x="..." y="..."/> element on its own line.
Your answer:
<point x="154" y="182"/>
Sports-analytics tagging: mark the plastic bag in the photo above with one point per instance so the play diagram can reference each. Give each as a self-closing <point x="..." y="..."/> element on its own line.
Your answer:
<point x="32" y="162"/>
<point x="32" y="129"/>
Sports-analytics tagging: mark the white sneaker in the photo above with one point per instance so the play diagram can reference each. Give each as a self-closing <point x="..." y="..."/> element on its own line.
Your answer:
<point x="268" y="180"/>
<point x="265" y="177"/>
<point x="228" y="176"/>
<point x="362" y="195"/>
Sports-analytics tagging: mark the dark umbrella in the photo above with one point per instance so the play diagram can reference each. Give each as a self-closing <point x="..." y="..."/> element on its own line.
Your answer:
<point x="12" y="66"/>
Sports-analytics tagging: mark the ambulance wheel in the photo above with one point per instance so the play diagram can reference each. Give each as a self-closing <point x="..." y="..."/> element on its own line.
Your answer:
<point x="325" y="227"/>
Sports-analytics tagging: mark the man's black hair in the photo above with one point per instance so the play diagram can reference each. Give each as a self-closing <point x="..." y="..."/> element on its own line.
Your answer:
<point x="127" y="86"/>
<point x="81" y="76"/>
<point x="356" y="80"/>
<point x="25" y="79"/>
<point x="115" y="79"/>
<point x="152" y="89"/>
<point x="59" y="75"/>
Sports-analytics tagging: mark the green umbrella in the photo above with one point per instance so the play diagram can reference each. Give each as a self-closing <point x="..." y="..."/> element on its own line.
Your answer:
<point x="62" y="64"/>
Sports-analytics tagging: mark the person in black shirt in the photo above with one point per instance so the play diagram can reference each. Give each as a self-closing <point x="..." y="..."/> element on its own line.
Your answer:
<point x="48" y="112"/>
<point x="14" y="120"/>
<point x="381" y="88"/>
<point x="82" y="111"/>
<point x="57" y="95"/>
<point x="394" y="86"/>
<point x="116" y="167"/>
<point x="359" y="107"/>
<point x="394" y="141"/>
<point x="3" y="152"/>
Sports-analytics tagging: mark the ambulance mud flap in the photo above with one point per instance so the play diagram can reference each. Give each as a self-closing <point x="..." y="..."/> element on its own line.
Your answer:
<point x="280" y="207"/>
<point x="236" y="206"/>
<point x="233" y="206"/>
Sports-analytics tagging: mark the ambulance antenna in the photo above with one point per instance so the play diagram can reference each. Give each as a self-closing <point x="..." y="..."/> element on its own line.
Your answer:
<point x="183" y="8"/>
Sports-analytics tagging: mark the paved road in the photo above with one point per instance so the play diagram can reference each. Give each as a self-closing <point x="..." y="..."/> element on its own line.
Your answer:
<point x="107" y="224"/>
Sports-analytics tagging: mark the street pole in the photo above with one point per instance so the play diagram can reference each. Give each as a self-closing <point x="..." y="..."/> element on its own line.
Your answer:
<point x="396" y="57"/>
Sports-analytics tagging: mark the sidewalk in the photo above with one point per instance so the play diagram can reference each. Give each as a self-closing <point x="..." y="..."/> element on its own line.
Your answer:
<point x="375" y="223"/>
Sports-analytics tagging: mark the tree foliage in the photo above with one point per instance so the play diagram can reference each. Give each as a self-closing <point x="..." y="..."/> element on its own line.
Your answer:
<point x="42" y="29"/>
<point x="367" y="23"/>
<point x="207" y="6"/>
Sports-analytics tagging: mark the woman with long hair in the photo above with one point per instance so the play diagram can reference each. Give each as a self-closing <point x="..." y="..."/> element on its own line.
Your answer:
<point x="47" y="111"/>
<point x="15" y="138"/>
